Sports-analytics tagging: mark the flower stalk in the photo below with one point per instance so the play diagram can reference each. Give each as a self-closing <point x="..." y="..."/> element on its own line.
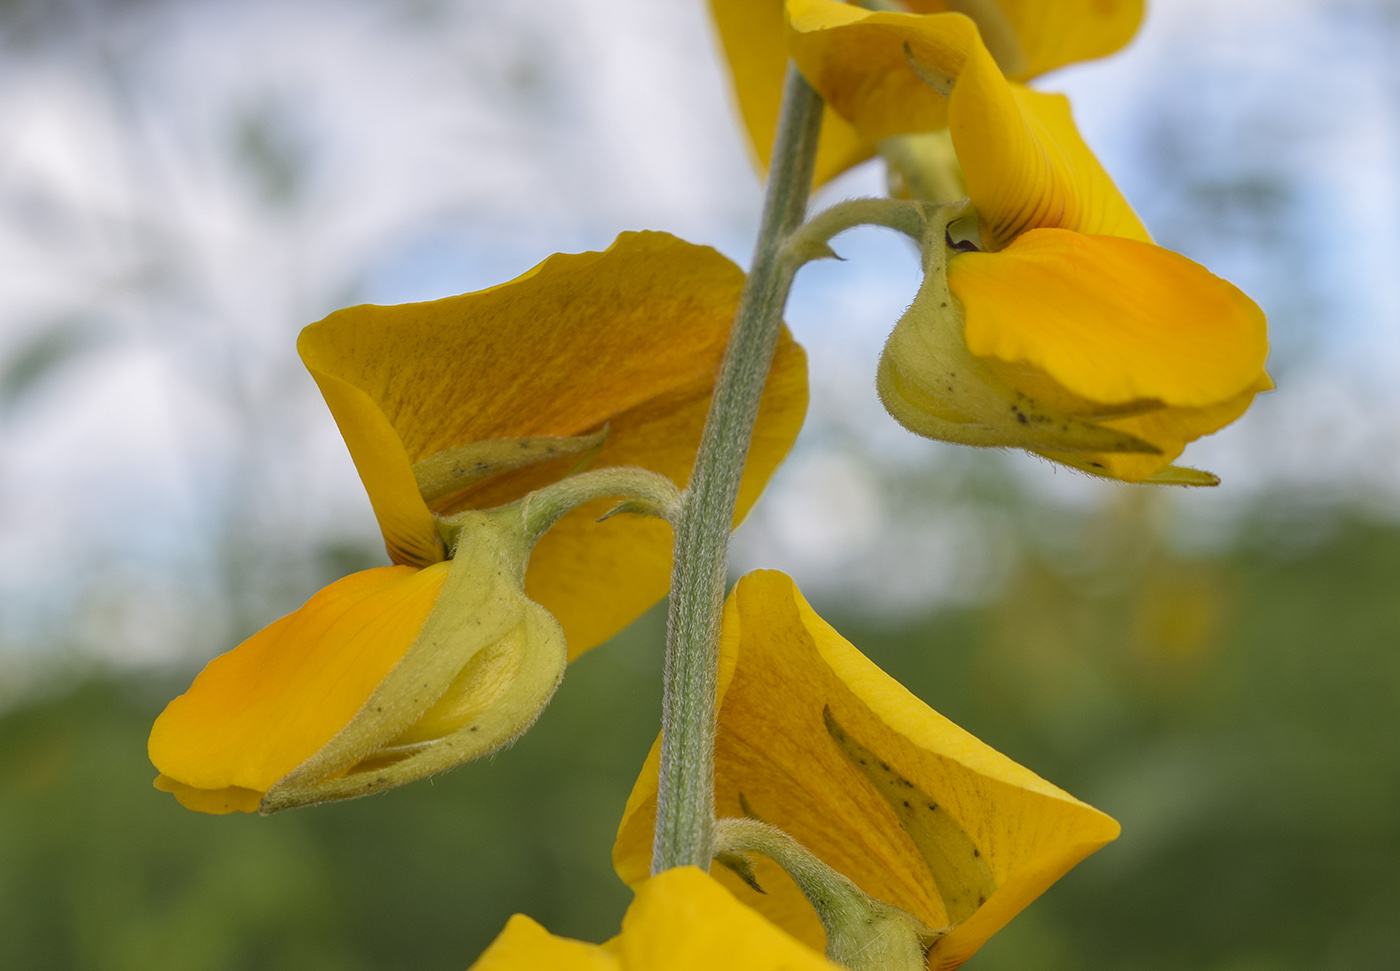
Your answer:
<point x="862" y="933"/>
<point x="685" y="799"/>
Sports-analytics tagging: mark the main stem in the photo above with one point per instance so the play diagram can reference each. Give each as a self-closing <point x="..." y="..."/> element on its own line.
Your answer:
<point x="686" y="797"/>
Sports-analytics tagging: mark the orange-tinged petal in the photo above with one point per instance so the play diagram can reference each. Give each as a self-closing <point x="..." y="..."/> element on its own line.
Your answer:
<point x="629" y="339"/>
<point x="787" y="679"/>
<point x="257" y="712"/>
<point x="752" y="34"/>
<point x="1112" y="320"/>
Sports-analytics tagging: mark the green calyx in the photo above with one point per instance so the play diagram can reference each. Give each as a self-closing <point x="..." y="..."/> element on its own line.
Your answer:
<point x="862" y="933"/>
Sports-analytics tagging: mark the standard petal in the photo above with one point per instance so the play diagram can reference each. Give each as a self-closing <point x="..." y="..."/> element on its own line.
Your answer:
<point x="932" y="816"/>
<point x="752" y="34"/>
<point x="628" y="340"/>
<point x="557" y="351"/>
<point x="1113" y="321"/>
<point x="257" y="712"/>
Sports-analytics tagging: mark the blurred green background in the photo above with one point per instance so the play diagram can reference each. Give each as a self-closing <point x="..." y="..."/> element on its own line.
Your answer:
<point x="1236" y="714"/>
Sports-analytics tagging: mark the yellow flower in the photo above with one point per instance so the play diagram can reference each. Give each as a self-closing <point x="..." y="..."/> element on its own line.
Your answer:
<point x="815" y="739"/>
<point x="680" y="920"/>
<point x="1110" y="353"/>
<point x="386" y="676"/>
<point x="397" y="672"/>
<point x="627" y="341"/>
<point x="1029" y="36"/>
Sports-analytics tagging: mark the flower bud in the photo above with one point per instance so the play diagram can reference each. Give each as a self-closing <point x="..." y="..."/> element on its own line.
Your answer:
<point x="936" y="387"/>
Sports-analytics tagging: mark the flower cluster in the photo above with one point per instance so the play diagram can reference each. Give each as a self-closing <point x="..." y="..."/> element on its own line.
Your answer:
<point x="472" y="403"/>
<point x="531" y="452"/>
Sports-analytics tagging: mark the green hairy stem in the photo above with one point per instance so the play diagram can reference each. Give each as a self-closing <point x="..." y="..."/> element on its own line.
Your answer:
<point x="685" y="798"/>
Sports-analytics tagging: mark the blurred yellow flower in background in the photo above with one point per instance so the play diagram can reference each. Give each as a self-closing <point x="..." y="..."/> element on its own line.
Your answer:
<point x="816" y="740"/>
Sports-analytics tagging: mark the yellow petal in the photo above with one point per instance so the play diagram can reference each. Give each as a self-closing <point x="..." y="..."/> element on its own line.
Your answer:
<point x="1112" y="320"/>
<point x="683" y="920"/>
<point x="752" y="34"/>
<point x="524" y="946"/>
<point x="791" y="678"/>
<point x="857" y="61"/>
<point x="680" y="920"/>
<point x="935" y="386"/>
<point x="1026" y="164"/>
<point x="410" y="535"/>
<point x="630" y="338"/>
<point x="262" y="709"/>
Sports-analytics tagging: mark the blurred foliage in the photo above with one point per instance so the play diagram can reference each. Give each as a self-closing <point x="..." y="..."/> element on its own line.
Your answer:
<point x="45" y="351"/>
<point x="1237" y="714"/>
